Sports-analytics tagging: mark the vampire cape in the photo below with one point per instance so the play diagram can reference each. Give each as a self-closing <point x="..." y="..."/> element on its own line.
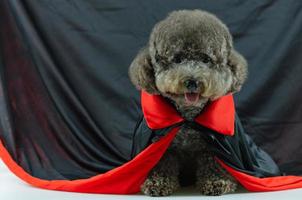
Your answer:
<point x="220" y="127"/>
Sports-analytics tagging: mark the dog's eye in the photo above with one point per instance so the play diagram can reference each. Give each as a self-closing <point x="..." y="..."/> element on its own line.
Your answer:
<point x="157" y="58"/>
<point x="177" y="58"/>
<point x="206" y="59"/>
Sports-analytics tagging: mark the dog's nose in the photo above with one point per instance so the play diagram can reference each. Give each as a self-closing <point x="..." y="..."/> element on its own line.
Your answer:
<point x="191" y="85"/>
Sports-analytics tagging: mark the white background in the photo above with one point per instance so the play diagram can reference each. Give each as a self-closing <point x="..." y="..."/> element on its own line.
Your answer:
<point x="12" y="188"/>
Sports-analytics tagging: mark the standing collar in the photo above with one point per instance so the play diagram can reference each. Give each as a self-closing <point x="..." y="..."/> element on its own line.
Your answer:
<point x="218" y="115"/>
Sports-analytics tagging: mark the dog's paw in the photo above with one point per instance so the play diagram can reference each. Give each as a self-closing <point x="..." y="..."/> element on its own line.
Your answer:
<point x="160" y="186"/>
<point x="216" y="187"/>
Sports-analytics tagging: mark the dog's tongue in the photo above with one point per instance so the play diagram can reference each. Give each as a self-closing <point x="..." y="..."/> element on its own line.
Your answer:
<point x="191" y="98"/>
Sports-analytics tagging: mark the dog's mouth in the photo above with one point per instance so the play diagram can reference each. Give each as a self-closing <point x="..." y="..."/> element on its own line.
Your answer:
<point x="191" y="98"/>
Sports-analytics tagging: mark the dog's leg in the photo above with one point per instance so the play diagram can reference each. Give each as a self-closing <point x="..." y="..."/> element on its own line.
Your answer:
<point x="163" y="179"/>
<point x="212" y="179"/>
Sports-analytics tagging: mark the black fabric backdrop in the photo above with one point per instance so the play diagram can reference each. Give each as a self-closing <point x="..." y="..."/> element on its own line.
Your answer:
<point x="68" y="109"/>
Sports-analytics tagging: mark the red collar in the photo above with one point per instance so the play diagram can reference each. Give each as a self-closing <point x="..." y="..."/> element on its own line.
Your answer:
<point x="219" y="115"/>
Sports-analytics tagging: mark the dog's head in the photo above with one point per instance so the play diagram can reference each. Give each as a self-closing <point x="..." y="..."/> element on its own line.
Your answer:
<point x="190" y="59"/>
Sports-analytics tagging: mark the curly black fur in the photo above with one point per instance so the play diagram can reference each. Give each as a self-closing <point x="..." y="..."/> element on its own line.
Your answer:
<point x="190" y="53"/>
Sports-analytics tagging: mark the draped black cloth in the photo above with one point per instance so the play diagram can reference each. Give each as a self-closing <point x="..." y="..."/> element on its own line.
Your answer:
<point x="69" y="111"/>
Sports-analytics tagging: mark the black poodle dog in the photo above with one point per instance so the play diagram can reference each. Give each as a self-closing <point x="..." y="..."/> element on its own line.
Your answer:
<point x="189" y="60"/>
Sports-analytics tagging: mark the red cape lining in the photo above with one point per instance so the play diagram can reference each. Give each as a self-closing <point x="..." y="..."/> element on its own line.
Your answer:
<point x="126" y="179"/>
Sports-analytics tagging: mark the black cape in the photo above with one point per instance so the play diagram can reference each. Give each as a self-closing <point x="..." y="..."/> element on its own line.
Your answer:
<point x="221" y="128"/>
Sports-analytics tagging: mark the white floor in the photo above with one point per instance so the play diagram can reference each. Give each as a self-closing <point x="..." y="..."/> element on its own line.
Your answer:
<point x="11" y="188"/>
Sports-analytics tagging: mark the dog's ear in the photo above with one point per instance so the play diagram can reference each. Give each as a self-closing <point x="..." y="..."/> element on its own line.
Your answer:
<point x="141" y="72"/>
<point x="238" y="66"/>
